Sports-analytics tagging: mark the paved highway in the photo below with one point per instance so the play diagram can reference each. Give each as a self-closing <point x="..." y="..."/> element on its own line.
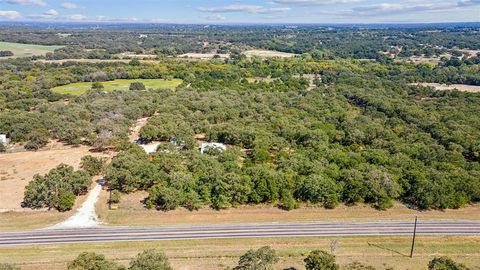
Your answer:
<point x="112" y="234"/>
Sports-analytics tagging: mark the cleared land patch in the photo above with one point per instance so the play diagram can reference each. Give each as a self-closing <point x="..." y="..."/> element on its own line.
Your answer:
<point x="459" y="87"/>
<point x="381" y="252"/>
<point x="24" y="50"/>
<point x="267" y="54"/>
<point x="203" y="56"/>
<point x="122" y="85"/>
<point x="18" y="169"/>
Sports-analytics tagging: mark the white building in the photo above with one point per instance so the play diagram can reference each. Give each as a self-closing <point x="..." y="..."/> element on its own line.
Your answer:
<point x="3" y="139"/>
<point x="211" y="145"/>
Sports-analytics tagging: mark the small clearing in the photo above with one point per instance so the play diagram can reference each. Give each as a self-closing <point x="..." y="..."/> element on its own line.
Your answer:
<point x="268" y="54"/>
<point x="459" y="87"/>
<point x="203" y="56"/>
<point x="18" y="169"/>
<point x="25" y="50"/>
<point x="121" y="85"/>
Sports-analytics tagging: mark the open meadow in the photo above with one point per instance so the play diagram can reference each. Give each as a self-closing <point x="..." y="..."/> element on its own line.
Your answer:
<point x="25" y="50"/>
<point x="121" y="85"/>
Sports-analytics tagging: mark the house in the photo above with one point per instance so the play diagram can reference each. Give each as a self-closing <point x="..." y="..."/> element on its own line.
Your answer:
<point x="3" y="139"/>
<point x="211" y="145"/>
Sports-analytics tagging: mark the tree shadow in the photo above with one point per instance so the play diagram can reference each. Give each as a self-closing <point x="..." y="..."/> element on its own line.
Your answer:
<point x="389" y="249"/>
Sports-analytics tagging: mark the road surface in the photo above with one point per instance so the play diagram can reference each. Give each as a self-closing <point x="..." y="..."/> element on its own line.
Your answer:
<point x="112" y="234"/>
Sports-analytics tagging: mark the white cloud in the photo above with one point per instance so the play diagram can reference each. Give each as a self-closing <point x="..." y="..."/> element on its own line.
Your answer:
<point x="76" y="17"/>
<point x="311" y="2"/>
<point x="49" y="14"/>
<point x="215" y="17"/>
<point x="253" y="9"/>
<point x="405" y="7"/>
<point x="10" y="14"/>
<point x="464" y="3"/>
<point x="27" y="2"/>
<point x="69" y="5"/>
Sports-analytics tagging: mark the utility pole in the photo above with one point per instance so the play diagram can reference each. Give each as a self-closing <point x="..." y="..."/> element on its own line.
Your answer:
<point x="110" y="199"/>
<point x="414" y="234"/>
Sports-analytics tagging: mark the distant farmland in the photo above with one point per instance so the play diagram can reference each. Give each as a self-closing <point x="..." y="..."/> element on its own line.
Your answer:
<point x="25" y="50"/>
<point x="122" y="85"/>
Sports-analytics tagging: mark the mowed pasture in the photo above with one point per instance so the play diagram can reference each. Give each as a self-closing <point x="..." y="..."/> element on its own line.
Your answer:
<point x="25" y="50"/>
<point x="121" y="85"/>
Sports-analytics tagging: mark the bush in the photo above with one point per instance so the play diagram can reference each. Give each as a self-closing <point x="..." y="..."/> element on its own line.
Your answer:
<point x="320" y="260"/>
<point x="445" y="263"/>
<point x="164" y="198"/>
<point x="3" y="148"/>
<point x="6" y="266"/>
<point x="92" y="261"/>
<point x="66" y="200"/>
<point x="137" y="86"/>
<point x="36" y="140"/>
<point x="288" y="202"/>
<point x="358" y="266"/>
<point x="115" y="197"/>
<point x="262" y="259"/>
<point x="150" y="260"/>
<point x="97" y="86"/>
<point x="319" y="189"/>
<point x="6" y="53"/>
<point x="92" y="165"/>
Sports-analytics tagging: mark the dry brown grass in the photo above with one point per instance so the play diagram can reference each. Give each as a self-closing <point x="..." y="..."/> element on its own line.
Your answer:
<point x="132" y="212"/>
<point x="459" y="87"/>
<point x="19" y="169"/>
<point x="221" y="253"/>
<point x="267" y="54"/>
<point x="202" y="56"/>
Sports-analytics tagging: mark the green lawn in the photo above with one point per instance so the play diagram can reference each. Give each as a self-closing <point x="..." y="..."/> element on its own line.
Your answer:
<point x="80" y="88"/>
<point x="24" y="50"/>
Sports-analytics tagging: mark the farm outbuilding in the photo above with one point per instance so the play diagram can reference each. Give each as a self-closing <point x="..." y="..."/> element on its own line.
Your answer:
<point x="3" y="139"/>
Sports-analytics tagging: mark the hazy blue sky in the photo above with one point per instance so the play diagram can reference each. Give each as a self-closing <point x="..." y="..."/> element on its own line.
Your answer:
<point x="249" y="11"/>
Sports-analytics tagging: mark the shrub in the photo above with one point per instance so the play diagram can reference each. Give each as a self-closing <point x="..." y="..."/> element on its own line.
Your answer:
<point x="92" y="261"/>
<point x="261" y="259"/>
<point x="445" y="263"/>
<point x="66" y="200"/>
<point x="137" y="86"/>
<point x="320" y="260"/>
<point x="6" y="266"/>
<point x="150" y="260"/>
<point x="115" y="197"/>
<point x="97" y="86"/>
<point x="92" y="165"/>
<point x="164" y="198"/>
<point x="36" y="140"/>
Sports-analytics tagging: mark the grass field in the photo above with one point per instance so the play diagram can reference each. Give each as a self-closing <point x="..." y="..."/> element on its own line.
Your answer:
<point x="379" y="251"/>
<point x="123" y="85"/>
<point x="24" y="50"/>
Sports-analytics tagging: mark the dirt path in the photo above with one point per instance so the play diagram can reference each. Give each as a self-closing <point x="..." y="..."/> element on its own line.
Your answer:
<point x="86" y="215"/>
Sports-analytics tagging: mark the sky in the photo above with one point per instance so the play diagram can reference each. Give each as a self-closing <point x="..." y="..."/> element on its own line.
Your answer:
<point x="248" y="11"/>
